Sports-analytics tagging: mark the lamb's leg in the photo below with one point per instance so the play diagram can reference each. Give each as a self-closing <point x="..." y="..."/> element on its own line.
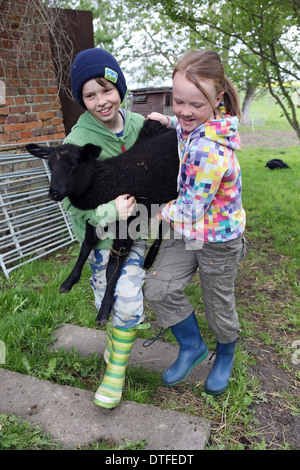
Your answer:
<point x="151" y="255"/>
<point x="154" y="248"/>
<point x="87" y="246"/>
<point x="115" y="263"/>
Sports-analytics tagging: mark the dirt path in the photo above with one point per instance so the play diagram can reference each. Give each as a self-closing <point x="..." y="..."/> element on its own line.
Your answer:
<point x="271" y="139"/>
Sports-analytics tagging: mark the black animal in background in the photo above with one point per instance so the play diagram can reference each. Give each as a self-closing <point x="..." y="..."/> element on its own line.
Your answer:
<point x="148" y="171"/>
<point x="277" y="163"/>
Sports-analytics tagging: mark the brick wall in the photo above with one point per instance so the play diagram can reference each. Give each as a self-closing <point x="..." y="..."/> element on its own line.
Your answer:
<point x="30" y="109"/>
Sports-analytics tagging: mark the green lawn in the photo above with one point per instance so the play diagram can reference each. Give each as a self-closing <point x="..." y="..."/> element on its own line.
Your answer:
<point x="272" y="197"/>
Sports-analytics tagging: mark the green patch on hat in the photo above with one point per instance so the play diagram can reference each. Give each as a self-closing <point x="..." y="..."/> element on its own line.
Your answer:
<point x="111" y="75"/>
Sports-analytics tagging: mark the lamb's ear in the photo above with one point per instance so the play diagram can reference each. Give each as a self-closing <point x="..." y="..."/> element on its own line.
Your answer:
<point x="90" y="151"/>
<point x="39" y="151"/>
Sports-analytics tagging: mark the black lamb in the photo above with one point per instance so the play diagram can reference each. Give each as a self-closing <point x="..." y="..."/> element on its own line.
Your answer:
<point x="148" y="171"/>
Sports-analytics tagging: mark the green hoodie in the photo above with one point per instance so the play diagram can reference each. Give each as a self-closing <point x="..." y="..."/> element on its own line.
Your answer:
<point x="89" y="131"/>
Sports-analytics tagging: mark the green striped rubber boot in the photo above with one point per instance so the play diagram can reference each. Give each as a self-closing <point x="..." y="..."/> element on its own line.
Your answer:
<point x="107" y="351"/>
<point x="109" y="393"/>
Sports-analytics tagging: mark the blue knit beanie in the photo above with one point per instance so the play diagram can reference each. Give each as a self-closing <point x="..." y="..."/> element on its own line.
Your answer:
<point x="93" y="63"/>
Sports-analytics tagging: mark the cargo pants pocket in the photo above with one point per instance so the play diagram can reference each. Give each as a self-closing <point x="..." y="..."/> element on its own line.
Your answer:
<point x="156" y="285"/>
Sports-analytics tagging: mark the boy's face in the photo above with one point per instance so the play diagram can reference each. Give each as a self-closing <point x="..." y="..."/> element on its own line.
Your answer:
<point x="103" y="102"/>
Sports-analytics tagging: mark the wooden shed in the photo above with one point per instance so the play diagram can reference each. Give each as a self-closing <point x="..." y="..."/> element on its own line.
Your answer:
<point x="146" y="100"/>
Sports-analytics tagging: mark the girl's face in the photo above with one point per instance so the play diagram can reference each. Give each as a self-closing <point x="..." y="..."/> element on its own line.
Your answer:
<point x="190" y="105"/>
<point x="102" y="102"/>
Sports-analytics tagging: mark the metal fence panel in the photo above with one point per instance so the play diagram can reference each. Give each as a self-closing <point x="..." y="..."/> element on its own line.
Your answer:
<point x="257" y="120"/>
<point x="31" y="225"/>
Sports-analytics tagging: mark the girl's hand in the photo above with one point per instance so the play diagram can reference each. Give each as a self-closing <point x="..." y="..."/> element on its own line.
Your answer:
<point x="164" y="120"/>
<point x="125" y="206"/>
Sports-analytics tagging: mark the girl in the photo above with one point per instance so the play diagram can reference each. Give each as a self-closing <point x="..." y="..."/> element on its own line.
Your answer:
<point x="99" y="86"/>
<point x="207" y="218"/>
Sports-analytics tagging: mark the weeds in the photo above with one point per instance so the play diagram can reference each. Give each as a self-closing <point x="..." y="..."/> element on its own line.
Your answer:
<point x="17" y="434"/>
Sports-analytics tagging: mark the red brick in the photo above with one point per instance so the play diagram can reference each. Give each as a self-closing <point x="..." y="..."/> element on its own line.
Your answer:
<point x="4" y="110"/>
<point x="52" y="91"/>
<point x="31" y="117"/>
<point x="58" y="136"/>
<point x="37" y="132"/>
<point x="10" y="101"/>
<point x="56" y="121"/>
<point x="15" y="136"/>
<point x="19" y="109"/>
<point x="56" y="106"/>
<point x="38" y="99"/>
<point x="16" y="82"/>
<point x="61" y="128"/>
<point x="41" y="91"/>
<point x="28" y="139"/>
<point x="4" y="137"/>
<point x="33" y="124"/>
<point x="22" y="118"/>
<point x="46" y="115"/>
<point x="19" y="100"/>
<point x="25" y="134"/>
<point x="13" y="127"/>
<point x="11" y="119"/>
<point x="39" y="107"/>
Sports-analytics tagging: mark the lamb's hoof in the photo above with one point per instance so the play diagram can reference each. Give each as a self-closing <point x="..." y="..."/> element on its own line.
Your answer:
<point x="64" y="290"/>
<point x="101" y="322"/>
<point x="148" y="263"/>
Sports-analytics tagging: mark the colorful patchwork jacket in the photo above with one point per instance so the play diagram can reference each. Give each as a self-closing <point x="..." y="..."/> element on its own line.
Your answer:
<point x="209" y="203"/>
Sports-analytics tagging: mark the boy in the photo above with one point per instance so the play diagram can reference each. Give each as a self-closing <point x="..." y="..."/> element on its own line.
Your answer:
<point x="99" y="86"/>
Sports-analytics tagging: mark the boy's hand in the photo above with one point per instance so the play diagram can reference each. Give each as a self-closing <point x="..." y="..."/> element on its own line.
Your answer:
<point x="125" y="206"/>
<point x="164" y="120"/>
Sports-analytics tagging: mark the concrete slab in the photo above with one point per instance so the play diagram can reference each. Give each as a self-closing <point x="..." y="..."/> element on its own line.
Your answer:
<point x="71" y="417"/>
<point x="157" y="357"/>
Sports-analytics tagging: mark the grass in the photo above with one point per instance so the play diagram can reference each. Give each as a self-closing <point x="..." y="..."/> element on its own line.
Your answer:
<point x="267" y="290"/>
<point x="272" y="197"/>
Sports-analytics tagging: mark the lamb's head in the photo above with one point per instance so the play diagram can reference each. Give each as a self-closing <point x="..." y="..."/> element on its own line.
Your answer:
<point x="69" y="165"/>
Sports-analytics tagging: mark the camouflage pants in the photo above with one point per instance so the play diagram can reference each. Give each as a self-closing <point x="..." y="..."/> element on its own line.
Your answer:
<point x="128" y="309"/>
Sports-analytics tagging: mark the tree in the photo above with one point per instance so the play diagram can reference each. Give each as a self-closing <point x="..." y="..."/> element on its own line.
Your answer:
<point x="263" y="35"/>
<point x="258" y="40"/>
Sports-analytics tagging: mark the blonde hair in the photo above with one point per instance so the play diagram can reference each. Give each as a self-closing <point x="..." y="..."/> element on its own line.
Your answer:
<point x="207" y="65"/>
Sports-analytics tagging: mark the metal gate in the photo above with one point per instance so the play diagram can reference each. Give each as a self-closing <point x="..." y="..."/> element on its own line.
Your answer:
<point x="31" y="225"/>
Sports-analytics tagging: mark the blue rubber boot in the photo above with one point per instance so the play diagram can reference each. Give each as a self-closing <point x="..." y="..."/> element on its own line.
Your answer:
<point x="217" y="381"/>
<point x="192" y="350"/>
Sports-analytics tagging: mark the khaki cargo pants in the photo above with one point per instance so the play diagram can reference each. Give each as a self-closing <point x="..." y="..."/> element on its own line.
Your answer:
<point x="172" y="271"/>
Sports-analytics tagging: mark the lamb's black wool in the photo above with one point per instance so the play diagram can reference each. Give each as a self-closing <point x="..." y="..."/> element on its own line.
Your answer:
<point x="148" y="171"/>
